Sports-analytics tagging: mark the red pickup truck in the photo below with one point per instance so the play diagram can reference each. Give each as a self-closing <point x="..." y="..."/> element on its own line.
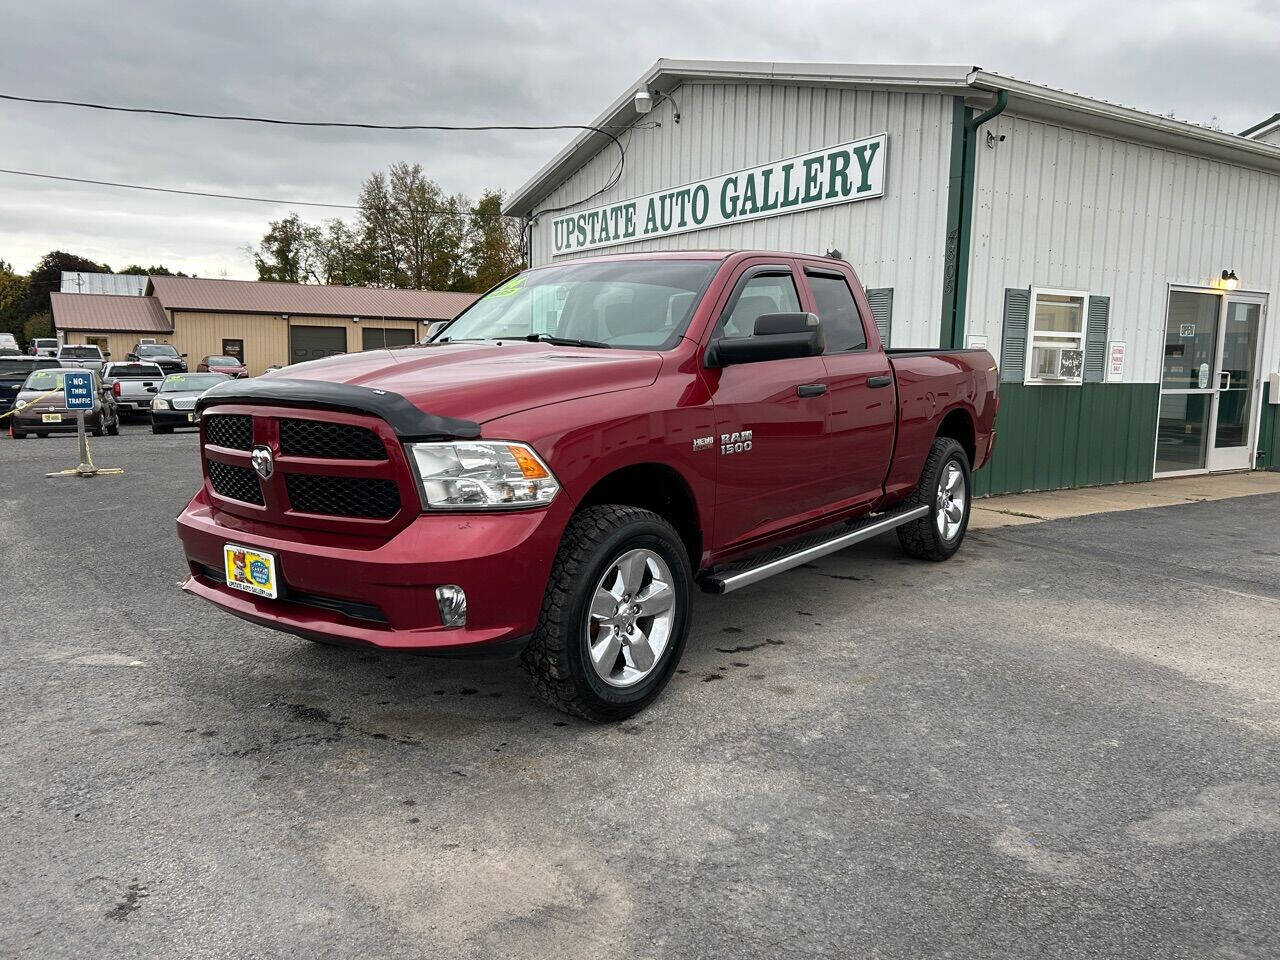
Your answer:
<point x="570" y="457"/>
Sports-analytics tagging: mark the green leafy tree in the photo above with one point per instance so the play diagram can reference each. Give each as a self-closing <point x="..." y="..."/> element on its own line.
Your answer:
<point x="286" y="251"/>
<point x="495" y="243"/>
<point x="158" y="270"/>
<point x="38" y="325"/>
<point x="13" y="288"/>
<point x="46" y="278"/>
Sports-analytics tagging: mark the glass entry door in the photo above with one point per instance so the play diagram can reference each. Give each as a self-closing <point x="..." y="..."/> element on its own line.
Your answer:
<point x="1209" y="383"/>
<point x="1236" y="385"/>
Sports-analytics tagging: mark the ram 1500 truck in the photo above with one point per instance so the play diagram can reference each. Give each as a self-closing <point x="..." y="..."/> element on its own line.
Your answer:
<point x="575" y="453"/>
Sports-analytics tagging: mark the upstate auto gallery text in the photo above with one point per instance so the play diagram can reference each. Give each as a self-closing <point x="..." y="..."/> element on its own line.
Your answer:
<point x="839" y="174"/>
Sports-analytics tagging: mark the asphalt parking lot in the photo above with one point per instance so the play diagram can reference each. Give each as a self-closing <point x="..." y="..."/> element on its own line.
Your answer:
<point x="1063" y="743"/>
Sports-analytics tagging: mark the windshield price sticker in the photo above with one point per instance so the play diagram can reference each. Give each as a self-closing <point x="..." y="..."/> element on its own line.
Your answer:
<point x="78" y="387"/>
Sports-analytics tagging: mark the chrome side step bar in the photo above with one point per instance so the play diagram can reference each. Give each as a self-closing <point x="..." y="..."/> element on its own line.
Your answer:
<point x="729" y="578"/>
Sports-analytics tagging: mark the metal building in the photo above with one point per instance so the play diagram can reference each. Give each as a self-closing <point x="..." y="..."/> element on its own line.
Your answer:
<point x="1118" y="264"/>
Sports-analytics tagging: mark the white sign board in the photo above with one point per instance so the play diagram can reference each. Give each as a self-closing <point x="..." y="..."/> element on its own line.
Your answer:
<point x="977" y="343"/>
<point x="1115" y="361"/>
<point x="840" y="174"/>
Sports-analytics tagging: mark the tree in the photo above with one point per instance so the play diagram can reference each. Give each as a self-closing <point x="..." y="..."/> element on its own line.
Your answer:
<point x="496" y="247"/>
<point x="13" y="288"/>
<point x="46" y="278"/>
<point x="38" y="325"/>
<point x="287" y="251"/>
<point x="138" y="270"/>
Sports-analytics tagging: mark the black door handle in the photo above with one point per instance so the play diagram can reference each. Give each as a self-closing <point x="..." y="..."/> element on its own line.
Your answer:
<point x="811" y="389"/>
<point x="879" y="381"/>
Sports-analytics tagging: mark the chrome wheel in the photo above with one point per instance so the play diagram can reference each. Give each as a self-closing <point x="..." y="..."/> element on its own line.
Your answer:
<point x="632" y="612"/>
<point x="950" y="503"/>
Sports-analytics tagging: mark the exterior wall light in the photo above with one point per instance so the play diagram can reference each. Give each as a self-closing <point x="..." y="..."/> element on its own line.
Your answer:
<point x="644" y="101"/>
<point x="1229" y="280"/>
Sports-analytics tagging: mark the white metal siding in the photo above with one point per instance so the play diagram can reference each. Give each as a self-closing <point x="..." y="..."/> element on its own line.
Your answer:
<point x="897" y="241"/>
<point x="1058" y="207"/>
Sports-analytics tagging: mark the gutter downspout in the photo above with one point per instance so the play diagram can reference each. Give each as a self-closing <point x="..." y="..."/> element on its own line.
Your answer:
<point x="964" y="150"/>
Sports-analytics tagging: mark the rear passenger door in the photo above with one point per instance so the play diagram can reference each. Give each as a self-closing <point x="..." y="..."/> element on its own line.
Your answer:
<point x="769" y="416"/>
<point x="864" y="403"/>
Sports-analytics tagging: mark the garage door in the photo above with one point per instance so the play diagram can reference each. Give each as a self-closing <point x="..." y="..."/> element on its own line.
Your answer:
<point x="311" y="343"/>
<point x="375" y="338"/>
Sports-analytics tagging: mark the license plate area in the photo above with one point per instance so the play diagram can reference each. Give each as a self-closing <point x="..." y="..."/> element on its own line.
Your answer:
<point x="51" y="418"/>
<point x="251" y="571"/>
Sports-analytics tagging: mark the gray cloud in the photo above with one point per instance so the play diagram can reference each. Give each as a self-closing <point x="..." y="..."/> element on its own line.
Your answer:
<point x="483" y="61"/>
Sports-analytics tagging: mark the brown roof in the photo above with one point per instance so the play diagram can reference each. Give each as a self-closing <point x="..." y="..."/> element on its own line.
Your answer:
<point x="254" y="296"/>
<point x="94" y="312"/>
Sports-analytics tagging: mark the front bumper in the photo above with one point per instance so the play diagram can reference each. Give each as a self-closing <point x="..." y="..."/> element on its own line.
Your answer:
<point x="336" y="587"/>
<point x="175" y="418"/>
<point x="33" y="422"/>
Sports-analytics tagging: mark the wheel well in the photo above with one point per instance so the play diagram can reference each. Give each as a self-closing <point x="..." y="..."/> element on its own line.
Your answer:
<point x="656" y="487"/>
<point x="958" y="425"/>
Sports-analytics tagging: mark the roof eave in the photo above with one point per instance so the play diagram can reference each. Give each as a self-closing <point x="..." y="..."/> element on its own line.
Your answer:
<point x="1035" y="101"/>
<point x="666" y="75"/>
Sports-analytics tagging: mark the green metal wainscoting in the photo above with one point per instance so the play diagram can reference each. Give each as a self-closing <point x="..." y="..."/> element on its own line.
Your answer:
<point x="1268" y="434"/>
<point x="1049" y="438"/>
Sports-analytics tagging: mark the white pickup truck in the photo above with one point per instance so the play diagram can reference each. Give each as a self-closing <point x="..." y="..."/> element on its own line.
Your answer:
<point x="133" y="384"/>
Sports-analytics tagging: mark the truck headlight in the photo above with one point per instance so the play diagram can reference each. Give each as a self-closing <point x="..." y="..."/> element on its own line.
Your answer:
<point x="159" y="403"/>
<point x="480" y="475"/>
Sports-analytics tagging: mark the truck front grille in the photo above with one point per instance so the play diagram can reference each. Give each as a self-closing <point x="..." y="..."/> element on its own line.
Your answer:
<point x="369" y="497"/>
<point x="234" y="431"/>
<point x="235" y="483"/>
<point x="337" y="441"/>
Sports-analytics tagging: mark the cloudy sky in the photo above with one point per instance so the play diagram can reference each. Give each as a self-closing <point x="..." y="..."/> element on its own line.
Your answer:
<point x="556" y="61"/>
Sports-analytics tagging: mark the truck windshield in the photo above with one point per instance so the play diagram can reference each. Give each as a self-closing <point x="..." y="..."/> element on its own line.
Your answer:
<point x="636" y="304"/>
<point x="156" y="350"/>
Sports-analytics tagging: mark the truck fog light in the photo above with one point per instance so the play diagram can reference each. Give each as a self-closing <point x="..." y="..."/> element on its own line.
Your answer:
<point x="453" y="605"/>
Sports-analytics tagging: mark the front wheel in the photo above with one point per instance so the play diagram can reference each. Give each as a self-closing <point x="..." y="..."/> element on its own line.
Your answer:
<point x="156" y="428"/>
<point x="945" y="485"/>
<point x="615" y="614"/>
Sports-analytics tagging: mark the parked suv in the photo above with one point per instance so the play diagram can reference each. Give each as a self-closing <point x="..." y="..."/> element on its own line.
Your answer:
<point x="165" y="356"/>
<point x="43" y="347"/>
<point x="573" y="455"/>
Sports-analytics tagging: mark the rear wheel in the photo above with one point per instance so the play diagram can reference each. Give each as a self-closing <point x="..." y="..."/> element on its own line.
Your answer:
<point x="944" y="488"/>
<point x="615" y="614"/>
<point x="113" y="428"/>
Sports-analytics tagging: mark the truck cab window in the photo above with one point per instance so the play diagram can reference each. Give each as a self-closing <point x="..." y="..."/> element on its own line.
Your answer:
<point x="764" y="293"/>
<point x="841" y="325"/>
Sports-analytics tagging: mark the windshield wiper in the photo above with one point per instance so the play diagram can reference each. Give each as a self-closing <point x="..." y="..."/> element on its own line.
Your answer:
<point x="564" y="341"/>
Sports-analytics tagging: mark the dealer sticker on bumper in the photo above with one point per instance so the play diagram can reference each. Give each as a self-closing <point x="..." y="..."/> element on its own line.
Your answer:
<point x="250" y="570"/>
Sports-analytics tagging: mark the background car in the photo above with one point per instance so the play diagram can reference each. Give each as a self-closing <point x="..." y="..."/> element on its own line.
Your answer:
<point x="42" y="406"/>
<point x="175" y="402"/>
<point x="43" y="347"/>
<point x="223" y="364"/>
<point x="163" y="355"/>
<point x="13" y="374"/>
<point x="82" y="355"/>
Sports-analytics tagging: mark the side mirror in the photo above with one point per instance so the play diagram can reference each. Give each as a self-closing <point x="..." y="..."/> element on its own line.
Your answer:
<point x="777" y="336"/>
<point x="153" y="389"/>
<point x="434" y="327"/>
<point x="106" y="355"/>
<point x="184" y="356"/>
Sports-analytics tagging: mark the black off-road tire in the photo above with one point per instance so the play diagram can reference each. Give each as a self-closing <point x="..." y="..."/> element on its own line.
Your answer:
<point x="18" y="434"/>
<point x="557" y="658"/>
<point x="922" y="538"/>
<point x="156" y="428"/>
<point x="42" y="434"/>
<point x="113" y="428"/>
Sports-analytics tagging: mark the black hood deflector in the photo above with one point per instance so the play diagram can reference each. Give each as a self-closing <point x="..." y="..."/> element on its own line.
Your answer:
<point x="405" y="419"/>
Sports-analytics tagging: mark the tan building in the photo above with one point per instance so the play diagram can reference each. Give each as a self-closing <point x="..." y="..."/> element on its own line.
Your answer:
<point x="263" y="324"/>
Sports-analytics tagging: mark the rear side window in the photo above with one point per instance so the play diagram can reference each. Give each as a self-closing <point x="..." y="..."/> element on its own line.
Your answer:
<point x="763" y="293"/>
<point x="841" y="325"/>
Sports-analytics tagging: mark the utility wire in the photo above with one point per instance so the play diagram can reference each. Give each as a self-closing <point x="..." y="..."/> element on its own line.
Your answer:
<point x="186" y="193"/>
<point x="161" y="112"/>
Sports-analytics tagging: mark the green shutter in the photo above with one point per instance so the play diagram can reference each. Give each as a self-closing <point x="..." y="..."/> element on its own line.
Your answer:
<point x="1013" y="343"/>
<point x="881" y="300"/>
<point x="1095" y="343"/>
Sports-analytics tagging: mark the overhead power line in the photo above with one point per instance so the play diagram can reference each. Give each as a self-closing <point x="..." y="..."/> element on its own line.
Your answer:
<point x="613" y="179"/>
<point x="185" y="193"/>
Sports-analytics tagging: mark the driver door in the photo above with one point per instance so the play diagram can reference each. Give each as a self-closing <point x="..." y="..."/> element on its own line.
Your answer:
<point x="770" y="417"/>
